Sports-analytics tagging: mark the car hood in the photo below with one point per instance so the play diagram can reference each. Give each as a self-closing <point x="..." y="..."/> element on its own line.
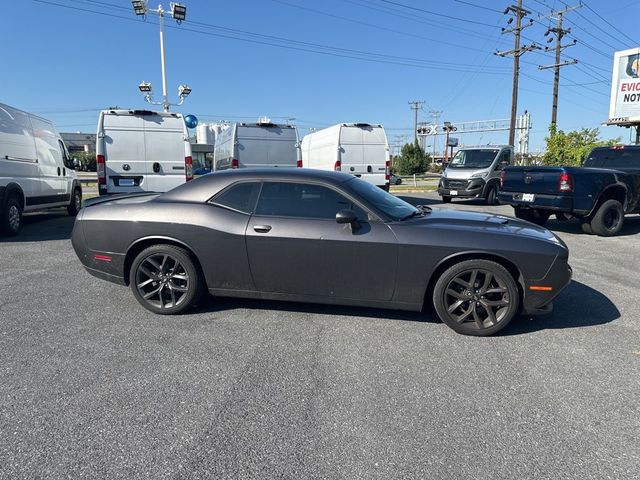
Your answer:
<point x="486" y="222"/>
<point x="462" y="173"/>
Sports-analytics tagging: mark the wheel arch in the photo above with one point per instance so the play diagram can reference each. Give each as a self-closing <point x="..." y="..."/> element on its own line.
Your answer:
<point x="451" y="260"/>
<point x="10" y="189"/>
<point x="616" y="192"/>
<point x="139" y="245"/>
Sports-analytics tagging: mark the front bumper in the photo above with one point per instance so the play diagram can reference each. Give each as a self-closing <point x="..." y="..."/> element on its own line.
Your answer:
<point x="461" y="188"/>
<point x="558" y="203"/>
<point x="536" y="302"/>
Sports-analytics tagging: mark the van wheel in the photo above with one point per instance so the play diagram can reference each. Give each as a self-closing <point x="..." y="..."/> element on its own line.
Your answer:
<point x="11" y="222"/>
<point x="476" y="297"/>
<point x="446" y="199"/>
<point x="492" y="196"/>
<point x="76" y="203"/>
<point x="609" y="219"/>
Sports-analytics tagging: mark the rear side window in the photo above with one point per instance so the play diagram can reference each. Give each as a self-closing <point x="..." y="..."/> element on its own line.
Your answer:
<point x="617" y="158"/>
<point x="303" y="200"/>
<point x="240" y="197"/>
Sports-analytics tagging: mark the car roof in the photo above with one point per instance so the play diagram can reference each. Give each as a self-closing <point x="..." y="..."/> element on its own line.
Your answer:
<point x="203" y="188"/>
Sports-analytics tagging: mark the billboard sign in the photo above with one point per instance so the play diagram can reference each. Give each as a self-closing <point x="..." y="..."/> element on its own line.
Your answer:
<point x="624" y="108"/>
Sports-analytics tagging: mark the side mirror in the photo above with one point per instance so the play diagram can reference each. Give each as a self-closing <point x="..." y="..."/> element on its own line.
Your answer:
<point x="348" y="216"/>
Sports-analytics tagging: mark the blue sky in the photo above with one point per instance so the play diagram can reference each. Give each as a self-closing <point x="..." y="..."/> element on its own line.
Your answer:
<point x="67" y="63"/>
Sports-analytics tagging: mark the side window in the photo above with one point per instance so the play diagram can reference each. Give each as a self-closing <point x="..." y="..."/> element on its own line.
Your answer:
<point x="504" y="160"/>
<point x="65" y="156"/>
<point x="303" y="200"/>
<point x="240" y="197"/>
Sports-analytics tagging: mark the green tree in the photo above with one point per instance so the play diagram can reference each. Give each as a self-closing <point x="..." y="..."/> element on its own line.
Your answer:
<point x="412" y="159"/>
<point x="85" y="160"/>
<point x="571" y="149"/>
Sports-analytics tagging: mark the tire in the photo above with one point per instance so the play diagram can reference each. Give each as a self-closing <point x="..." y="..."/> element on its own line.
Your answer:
<point x="467" y="293"/>
<point x="168" y="277"/>
<point x="399" y="181"/>
<point x="446" y="199"/>
<point x="76" y="203"/>
<point x="533" y="215"/>
<point x="586" y="228"/>
<point x="11" y="221"/>
<point x="492" y="195"/>
<point x="609" y="219"/>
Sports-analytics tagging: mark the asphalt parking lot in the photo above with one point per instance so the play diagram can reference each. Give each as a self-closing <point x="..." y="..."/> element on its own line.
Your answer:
<point x="94" y="386"/>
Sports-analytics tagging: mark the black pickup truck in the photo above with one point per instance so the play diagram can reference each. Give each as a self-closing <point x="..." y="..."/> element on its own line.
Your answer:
<point x="599" y="193"/>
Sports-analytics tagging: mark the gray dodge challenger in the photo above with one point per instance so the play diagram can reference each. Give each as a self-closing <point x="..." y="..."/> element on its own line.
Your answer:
<point x="324" y="237"/>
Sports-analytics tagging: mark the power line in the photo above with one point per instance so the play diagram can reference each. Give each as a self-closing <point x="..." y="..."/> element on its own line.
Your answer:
<point x="615" y="29"/>
<point x="478" y="6"/>
<point x="430" y="12"/>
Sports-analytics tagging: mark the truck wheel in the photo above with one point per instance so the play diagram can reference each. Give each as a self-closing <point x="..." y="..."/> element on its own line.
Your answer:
<point x="609" y="219"/>
<point x="76" y="203"/>
<point x="446" y="199"/>
<point x="492" y="196"/>
<point x="586" y="228"/>
<point x="11" y="221"/>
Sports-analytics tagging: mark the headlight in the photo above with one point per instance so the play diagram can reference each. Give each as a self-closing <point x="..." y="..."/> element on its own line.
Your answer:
<point x="479" y="175"/>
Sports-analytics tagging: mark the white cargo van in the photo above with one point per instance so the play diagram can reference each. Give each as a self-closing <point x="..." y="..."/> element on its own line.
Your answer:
<point x="142" y="151"/>
<point x="357" y="148"/>
<point x="261" y="144"/>
<point x="35" y="169"/>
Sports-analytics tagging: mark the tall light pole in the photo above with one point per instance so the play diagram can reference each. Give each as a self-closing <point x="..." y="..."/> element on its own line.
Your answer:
<point x="179" y="13"/>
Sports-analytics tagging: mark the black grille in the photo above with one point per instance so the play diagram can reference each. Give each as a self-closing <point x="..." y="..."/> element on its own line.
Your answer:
<point x="456" y="184"/>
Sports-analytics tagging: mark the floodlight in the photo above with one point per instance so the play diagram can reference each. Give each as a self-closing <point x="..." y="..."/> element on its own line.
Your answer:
<point x="139" y="7"/>
<point x="184" y="90"/>
<point x="145" y="87"/>
<point x="178" y="12"/>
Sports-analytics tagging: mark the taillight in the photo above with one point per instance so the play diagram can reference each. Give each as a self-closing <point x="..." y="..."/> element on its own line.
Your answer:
<point x="299" y="164"/>
<point x="234" y="163"/>
<point x="502" y="180"/>
<point x="387" y="170"/>
<point x="337" y="166"/>
<point x="188" y="168"/>
<point x="565" y="184"/>
<point x="102" y="172"/>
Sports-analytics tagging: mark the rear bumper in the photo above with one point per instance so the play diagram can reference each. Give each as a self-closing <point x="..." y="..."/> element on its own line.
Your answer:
<point x="536" y="302"/>
<point x="560" y="203"/>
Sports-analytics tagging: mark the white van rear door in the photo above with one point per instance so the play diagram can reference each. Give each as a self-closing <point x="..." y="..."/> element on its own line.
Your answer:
<point x="165" y="152"/>
<point x="124" y="153"/>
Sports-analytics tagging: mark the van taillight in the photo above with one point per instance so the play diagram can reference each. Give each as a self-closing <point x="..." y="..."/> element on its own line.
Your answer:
<point x="387" y="170"/>
<point x="337" y="166"/>
<point x="502" y="180"/>
<point x="234" y="163"/>
<point x="100" y="167"/>
<point x="565" y="184"/>
<point x="188" y="168"/>
<point x="299" y="164"/>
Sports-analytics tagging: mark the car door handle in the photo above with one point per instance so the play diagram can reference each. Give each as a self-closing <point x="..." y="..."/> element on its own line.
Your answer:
<point x="262" y="228"/>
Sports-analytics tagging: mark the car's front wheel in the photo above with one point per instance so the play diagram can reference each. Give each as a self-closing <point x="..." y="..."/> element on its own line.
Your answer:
<point x="165" y="279"/>
<point x="11" y="219"/>
<point x="476" y="297"/>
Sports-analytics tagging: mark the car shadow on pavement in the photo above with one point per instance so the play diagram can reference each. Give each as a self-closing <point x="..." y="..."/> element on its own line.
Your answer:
<point x="577" y="306"/>
<point x="43" y="226"/>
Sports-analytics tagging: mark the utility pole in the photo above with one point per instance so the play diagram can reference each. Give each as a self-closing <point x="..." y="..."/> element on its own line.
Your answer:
<point x="415" y="106"/>
<point x="517" y="51"/>
<point x="559" y="33"/>
<point x="435" y="114"/>
<point x="448" y="127"/>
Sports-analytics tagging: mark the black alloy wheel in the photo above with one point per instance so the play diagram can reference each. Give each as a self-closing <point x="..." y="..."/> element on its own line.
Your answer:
<point x="476" y="297"/>
<point x="165" y="280"/>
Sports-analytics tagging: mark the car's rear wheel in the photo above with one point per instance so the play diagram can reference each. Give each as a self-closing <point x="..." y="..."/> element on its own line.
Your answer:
<point x="165" y="280"/>
<point x="476" y="297"/>
<point x="76" y="203"/>
<point x="609" y="219"/>
<point x="446" y="199"/>
<point x="11" y="220"/>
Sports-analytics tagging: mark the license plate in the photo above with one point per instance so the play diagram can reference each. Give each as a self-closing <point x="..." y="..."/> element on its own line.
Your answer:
<point x="127" y="182"/>
<point x="453" y="192"/>
<point x="528" y="197"/>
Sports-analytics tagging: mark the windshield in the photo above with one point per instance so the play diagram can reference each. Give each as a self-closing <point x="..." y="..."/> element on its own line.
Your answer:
<point x="473" y="159"/>
<point x="393" y="207"/>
